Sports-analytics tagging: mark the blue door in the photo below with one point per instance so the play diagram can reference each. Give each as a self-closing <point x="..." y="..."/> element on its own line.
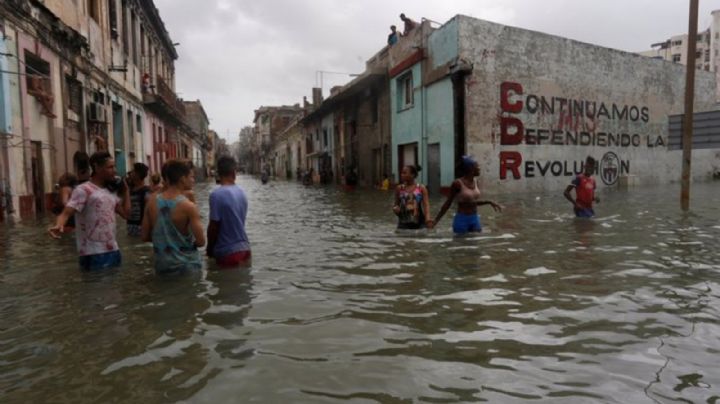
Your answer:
<point x="119" y="140"/>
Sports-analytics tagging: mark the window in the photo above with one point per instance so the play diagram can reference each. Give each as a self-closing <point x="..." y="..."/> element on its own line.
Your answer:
<point x="676" y="58"/>
<point x="405" y="91"/>
<point x="37" y="72"/>
<point x="126" y="37"/>
<point x="698" y="54"/>
<point x="74" y="92"/>
<point x="707" y="55"/>
<point x="112" y="14"/>
<point x="133" y="36"/>
<point x="93" y="10"/>
<point x="142" y="49"/>
<point x="138" y="123"/>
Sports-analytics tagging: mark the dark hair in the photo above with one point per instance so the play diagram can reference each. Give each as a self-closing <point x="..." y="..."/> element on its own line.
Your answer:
<point x="414" y="169"/>
<point x="226" y="166"/>
<point x="173" y="170"/>
<point x="590" y="160"/>
<point x="99" y="159"/>
<point x="155" y="178"/>
<point x="68" y="180"/>
<point x="392" y="26"/>
<point x="82" y="161"/>
<point x="141" y="170"/>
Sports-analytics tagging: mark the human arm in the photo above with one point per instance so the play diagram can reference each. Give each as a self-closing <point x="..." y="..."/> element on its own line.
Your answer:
<point x="147" y="222"/>
<point x="65" y="193"/>
<point x="212" y="235"/>
<point x="495" y="206"/>
<point x="196" y="225"/>
<point x="56" y="230"/>
<point x="429" y="222"/>
<point x="569" y="197"/>
<point x="396" y="206"/>
<point x="123" y="208"/>
<point x="213" y="229"/>
<point x="454" y="189"/>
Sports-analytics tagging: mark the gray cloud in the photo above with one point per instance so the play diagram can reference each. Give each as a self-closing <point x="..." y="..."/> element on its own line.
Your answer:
<point x="236" y="55"/>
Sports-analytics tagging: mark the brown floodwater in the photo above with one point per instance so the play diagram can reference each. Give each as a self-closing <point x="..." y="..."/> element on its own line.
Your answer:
<point x="338" y="307"/>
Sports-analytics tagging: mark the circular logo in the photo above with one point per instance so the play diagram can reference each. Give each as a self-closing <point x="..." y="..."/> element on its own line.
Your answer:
<point x="609" y="168"/>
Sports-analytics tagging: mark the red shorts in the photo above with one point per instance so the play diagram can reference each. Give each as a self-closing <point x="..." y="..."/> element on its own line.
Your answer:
<point x="234" y="259"/>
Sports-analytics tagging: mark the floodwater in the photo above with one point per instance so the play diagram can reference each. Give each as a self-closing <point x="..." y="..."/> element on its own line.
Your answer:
<point x="337" y="307"/>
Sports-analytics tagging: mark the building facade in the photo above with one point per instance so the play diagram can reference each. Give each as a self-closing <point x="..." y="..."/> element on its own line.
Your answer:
<point x="269" y="123"/>
<point x="707" y="54"/>
<point x="199" y="125"/>
<point x="78" y="78"/>
<point x="530" y="107"/>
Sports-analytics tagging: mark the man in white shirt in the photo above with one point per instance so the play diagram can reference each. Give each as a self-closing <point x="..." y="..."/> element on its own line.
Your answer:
<point x="94" y="207"/>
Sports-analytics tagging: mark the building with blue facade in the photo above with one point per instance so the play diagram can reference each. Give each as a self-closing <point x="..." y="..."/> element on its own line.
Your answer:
<point x="530" y="107"/>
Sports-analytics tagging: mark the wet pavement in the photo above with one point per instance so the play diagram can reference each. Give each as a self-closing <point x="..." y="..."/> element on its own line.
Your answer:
<point x="338" y="307"/>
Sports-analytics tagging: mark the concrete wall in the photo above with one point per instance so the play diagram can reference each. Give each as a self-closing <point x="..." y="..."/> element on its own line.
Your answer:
<point x="632" y="96"/>
<point x="443" y="44"/>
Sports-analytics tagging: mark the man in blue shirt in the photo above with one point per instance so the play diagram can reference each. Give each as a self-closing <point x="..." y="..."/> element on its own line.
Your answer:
<point x="227" y="240"/>
<point x="394" y="35"/>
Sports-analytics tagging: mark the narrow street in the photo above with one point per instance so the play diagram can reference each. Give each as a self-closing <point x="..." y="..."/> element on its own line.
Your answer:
<point x="337" y="305"/>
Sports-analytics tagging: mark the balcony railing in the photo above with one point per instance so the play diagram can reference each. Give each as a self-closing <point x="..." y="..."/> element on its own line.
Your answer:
<point x="166" y="98"/>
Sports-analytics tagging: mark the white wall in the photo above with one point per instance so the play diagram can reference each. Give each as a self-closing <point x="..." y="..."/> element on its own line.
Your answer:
<point x="542" y="65"/>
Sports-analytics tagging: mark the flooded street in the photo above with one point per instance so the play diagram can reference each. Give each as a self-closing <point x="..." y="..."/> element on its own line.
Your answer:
<point x="338" y="307"/>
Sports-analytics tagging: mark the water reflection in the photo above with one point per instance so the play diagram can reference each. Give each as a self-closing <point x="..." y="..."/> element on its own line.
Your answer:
<point x="339" y="307"/>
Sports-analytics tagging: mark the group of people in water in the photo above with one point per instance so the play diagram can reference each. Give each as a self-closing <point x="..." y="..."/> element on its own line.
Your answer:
<point x="412" y="206"/>
<point x="165" y="214"/>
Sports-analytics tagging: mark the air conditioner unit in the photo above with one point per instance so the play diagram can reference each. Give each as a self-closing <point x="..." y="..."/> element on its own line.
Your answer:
<point x="96" y="112"/>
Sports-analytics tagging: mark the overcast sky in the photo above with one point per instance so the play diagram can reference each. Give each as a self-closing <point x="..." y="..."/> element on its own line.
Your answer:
<point x="236" y="55"/>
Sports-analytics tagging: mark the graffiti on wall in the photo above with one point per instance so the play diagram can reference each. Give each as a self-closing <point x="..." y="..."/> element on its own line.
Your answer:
<point x="567" y="122"/>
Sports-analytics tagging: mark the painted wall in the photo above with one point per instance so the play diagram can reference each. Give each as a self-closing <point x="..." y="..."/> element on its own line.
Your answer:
<point x="443" y="43"/>
<point x="439" y="126"/>
<point x="538" y="104"/>
<point x="406" y="122"/>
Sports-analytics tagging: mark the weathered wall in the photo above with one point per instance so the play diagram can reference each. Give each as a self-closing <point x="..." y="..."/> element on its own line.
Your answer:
<point x="569" y="100"/>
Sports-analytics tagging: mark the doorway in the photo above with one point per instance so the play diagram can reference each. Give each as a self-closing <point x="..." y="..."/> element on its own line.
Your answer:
<point x="38" y="180"/>
<point x="433" y="173"/>
<point x="118" y="139"/>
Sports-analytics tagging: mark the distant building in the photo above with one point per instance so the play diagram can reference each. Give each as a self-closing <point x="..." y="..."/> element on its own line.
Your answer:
<point x="199" y="123"/>
<point x="269" y="122"/>
<point x="707" y="54"/>
<point x="350" y="130"/>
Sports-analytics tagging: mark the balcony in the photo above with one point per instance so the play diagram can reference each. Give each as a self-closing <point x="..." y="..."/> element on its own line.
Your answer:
<point x="163" y="101"/>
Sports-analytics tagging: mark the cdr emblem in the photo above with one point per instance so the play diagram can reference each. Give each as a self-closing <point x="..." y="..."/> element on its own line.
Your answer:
<point x="609" y="168"/>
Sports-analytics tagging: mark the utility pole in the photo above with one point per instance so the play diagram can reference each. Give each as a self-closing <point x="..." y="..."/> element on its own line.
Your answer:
<point x="689" y="101"/>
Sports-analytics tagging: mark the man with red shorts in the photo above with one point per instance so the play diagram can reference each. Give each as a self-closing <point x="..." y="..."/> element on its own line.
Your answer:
<point x="227" y="241"/>
<point x="584" y="186"/>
